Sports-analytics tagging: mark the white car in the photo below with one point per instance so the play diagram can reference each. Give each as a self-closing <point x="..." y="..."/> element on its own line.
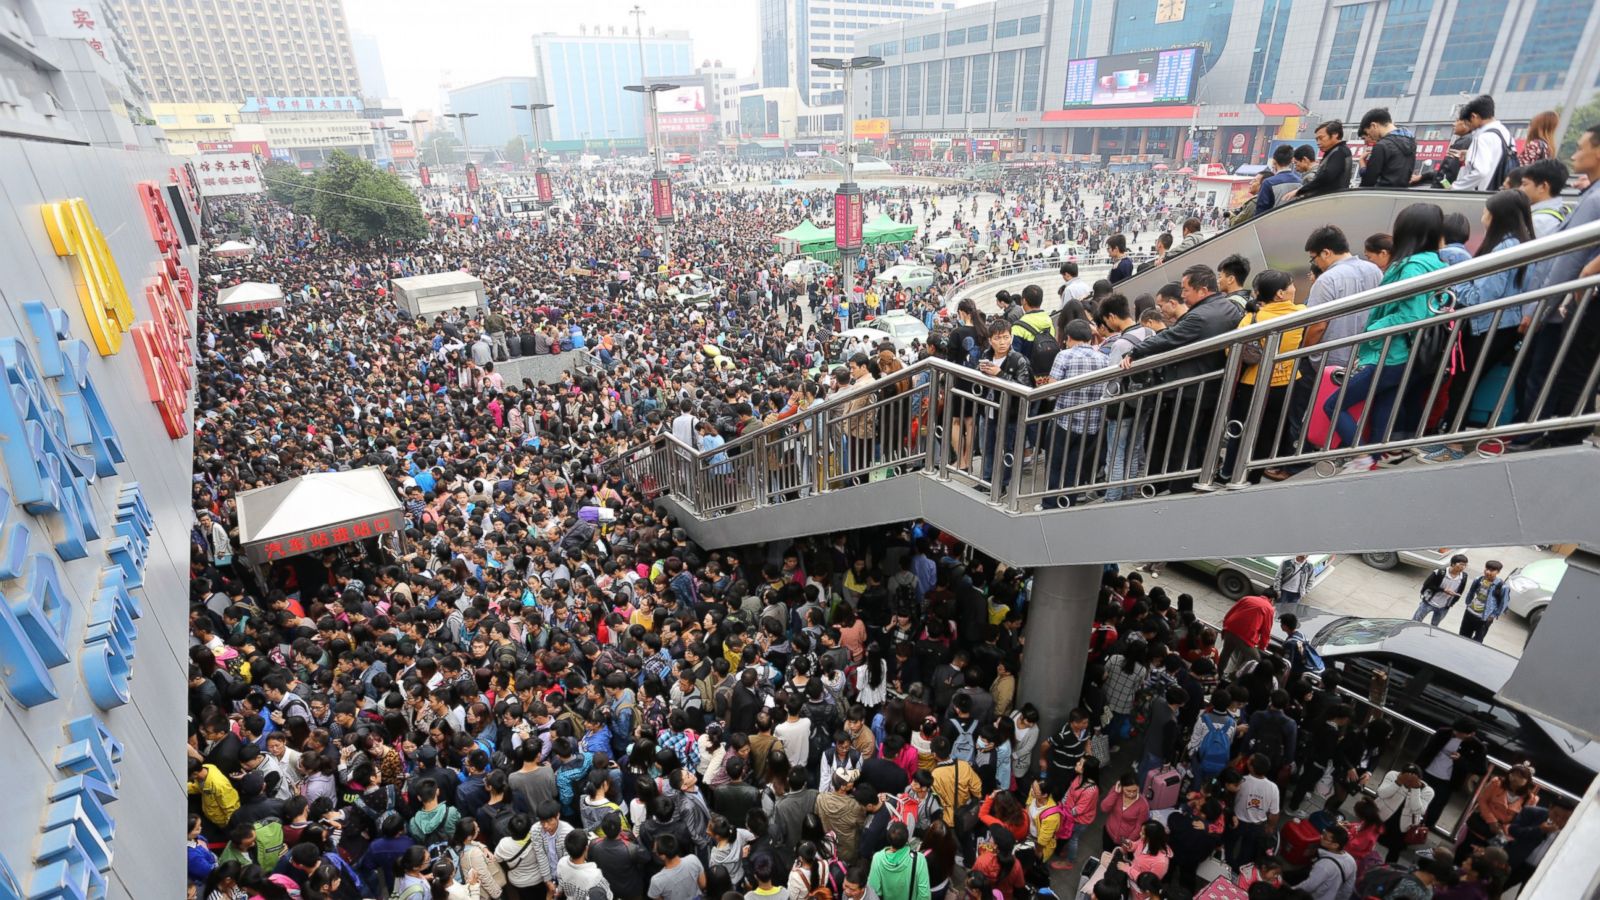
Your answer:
<point x="955" y="245"/>
<point x="899" y="327"/>
<point x="915" y="277"/>
<point x="806" y="269"/>
<point x="1058" y="252"/>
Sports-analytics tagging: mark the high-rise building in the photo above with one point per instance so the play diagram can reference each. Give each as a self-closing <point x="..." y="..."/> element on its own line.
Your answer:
<point x="493" y="121"/>
<point x="794" y="32"/>
<point x="369" y="65"/>
<point x="583" y="76"/>
<point x="191" y="52"/>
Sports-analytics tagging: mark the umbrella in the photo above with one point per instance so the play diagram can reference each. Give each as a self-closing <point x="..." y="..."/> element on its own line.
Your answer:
<point x="1186" y="170"/>
<point x="1159" y="167"/>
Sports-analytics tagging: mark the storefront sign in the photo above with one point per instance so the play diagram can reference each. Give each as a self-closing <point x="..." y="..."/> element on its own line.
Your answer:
<point x="101" y="293"/>
<point x="323" y="538"/>
<point x="228" y="174"/>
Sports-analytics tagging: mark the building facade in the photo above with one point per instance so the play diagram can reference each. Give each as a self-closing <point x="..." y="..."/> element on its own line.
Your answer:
<point x="584" y="75"/>
<point x="494" y="121"/>
<point x="1134" y="79"/>
<point x="306" y="130"/>
<point x="794" y="32"/>
<point x="191" y="52"/>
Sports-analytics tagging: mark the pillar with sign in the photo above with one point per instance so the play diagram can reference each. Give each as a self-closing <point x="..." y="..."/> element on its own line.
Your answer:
<point x="661" y="206"/>
<point x="847" y="220"/>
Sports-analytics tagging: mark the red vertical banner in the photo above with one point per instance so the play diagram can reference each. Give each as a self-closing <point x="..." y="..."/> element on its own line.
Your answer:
<point x="847" y="219"/>
<point x="425" y="175"/>
<point x="541" y="179"/>
<point x="472" y="178"/>
<point x="661" y="195"/>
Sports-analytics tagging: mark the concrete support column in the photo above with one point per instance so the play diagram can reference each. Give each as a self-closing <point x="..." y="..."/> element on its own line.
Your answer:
<point x="1060" y="616"/>
<point x="1563" y="644"/>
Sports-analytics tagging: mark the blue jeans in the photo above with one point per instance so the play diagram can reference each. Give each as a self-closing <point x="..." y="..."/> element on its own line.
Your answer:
<point x="1424" y="609"/>
<point x="1069" y="456"/>
<point x="1124" y="455"/>
<point x="1355" y="391"/>
<point x="991" y="452"/>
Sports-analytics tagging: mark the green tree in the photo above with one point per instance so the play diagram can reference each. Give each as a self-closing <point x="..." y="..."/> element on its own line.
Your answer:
<point x="439" y="147"/>
<point x="1581" y="120"/>
<point x="516" y="150"/>
<point x="288" y="185"/>
<point x="357" y="200"/>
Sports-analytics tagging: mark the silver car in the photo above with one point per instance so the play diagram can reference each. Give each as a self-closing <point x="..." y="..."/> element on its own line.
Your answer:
<point x="1532" y="587"/>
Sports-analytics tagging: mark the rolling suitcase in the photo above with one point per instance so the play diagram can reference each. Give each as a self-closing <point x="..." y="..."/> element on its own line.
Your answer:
<point x="1320" y="430"/>
<point x="1300" y="841"/>
<point x="1163" y="787"/>
<point x="1491" y="384"/>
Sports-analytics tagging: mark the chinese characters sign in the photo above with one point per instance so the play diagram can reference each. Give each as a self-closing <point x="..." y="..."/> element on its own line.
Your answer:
<point x="847" y="220"/>
<point x="228" y="174"/>
<point x="661" y="196"/>
<point x="324" y="538"/>
<point x="541" y="179"/>
<point x="472" y="178"/>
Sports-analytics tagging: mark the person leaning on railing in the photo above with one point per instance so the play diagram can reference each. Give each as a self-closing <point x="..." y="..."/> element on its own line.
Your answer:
<point x="1274" y="298"/>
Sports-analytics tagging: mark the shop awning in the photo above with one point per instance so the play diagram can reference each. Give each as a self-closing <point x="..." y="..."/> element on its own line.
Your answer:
<point x="317" y="511"/>
<point x="250" y="296"/>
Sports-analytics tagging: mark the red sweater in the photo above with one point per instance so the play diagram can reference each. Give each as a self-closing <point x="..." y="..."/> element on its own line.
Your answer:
<point x="1250" y="620"/>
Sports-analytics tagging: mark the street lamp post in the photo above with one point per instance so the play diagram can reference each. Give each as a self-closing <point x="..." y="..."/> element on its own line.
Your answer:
<point x="541" y="175"/>
<point x="417" y="139"/>
<point x="466" y="149"/>
<point x="847" y="200"/>
<point x="660" y="183"/>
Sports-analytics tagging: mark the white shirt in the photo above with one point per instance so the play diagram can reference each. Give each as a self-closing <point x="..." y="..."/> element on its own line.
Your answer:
<point x="1257" y="799"/>
<point x="1489" y="144"/>
<point x="1442" y="766"/>
<point x="796" y="737"/>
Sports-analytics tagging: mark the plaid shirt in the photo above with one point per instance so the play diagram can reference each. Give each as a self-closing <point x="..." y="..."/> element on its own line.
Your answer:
<point x="678" y="742"/>
<point x="1070" y="363"/>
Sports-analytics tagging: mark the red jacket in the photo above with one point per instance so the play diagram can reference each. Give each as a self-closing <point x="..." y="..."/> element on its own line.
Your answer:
<point x="1250" y="620"/>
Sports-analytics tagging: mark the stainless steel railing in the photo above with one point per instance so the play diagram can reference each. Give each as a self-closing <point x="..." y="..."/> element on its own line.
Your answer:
<point x="1197" y="416"/>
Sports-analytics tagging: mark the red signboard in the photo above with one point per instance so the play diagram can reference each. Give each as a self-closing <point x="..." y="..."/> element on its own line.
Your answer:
<point x="324" y="538"/>
<point x="472" y="178"/>
<point x="402" y="150"/>
<point x="541" y="179"/>
<point x="661" y="196"/>
<point x="847" y="220"/>
<point x="426" y="176"/>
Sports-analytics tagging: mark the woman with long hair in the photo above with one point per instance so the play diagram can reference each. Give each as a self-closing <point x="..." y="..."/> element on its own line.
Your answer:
<point x="1380" y="365"/>
<point x="223" y="882"/>
<point x="872" y="679"/>
<point x="1490" y="338"/>
<point x="939" y="849"/>
<point x="1540" y="139"/>
<point x="1502" y="797"/>
<point x="964" y="347"/>
<point x="808" y="872"/>
<point x="1081" y="796"/>
<point x="1273" y="298"/>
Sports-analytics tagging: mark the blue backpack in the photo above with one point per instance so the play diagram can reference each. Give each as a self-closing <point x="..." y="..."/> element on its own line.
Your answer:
<point x="1215" y="749"/>
<point x="1302" y="656"/>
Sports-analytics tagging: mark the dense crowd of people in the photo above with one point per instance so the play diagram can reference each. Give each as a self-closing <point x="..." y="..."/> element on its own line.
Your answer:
<point x="543" y="687"/>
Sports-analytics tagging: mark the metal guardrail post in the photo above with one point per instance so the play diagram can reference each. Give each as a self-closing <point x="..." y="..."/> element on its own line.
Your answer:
<point x="1258" y="405"/>
<point x="1219" y="421"/>
<point x="996" y="451"/>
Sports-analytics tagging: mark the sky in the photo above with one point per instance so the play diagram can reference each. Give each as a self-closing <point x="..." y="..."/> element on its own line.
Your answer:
<point x="428" y="42"/>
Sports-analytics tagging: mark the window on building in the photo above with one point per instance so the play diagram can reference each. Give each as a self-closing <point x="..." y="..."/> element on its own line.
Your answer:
<point x="204" y="119"/>
<point x="913" y="44"/>
<point x="1473" y="32"/>
<point x="935" y="90"/>
<point x="1032" y="66"/>
<point x="979" y="96"/>
<point x="930" y="41"/>
<point x="955" y="37"/>
<point x="1268" y="50"/>
<point x="166" y="120"/>
<point x="977" y="34"/>
<point x="892" y="48"/>
<point x="896" y="74"/>
<point x="914" y="89"/>
<point x="1005" y="81"/>
<point x="1398" y="44"/>
<point x="878" y="83"/>
<point x="1005" y="29"/>
<point x="1342" y="53"/>
<point x="1028" y="25"/>
<point x="874" y="49"/>
<point x="956" y="86"/>
<point x="1549" y="44"/>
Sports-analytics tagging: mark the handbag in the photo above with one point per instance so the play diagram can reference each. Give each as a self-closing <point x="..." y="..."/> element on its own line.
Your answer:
<point x="1251" y="353"/>
<point x="1430" y="346"/>
<point x="1417" y="834"/>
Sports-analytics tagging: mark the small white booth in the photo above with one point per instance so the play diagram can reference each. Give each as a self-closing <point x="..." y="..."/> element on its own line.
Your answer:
<point x="250" y="296"/>
<point x="315" y="512"/>
<point x="426" y="296"/>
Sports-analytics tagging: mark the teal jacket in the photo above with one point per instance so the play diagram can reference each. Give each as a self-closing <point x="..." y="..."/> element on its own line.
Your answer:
<point x="1399" y="312"/>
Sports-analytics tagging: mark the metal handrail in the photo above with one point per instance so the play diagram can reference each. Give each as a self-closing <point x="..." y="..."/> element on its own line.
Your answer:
<point x="942" y="376"/>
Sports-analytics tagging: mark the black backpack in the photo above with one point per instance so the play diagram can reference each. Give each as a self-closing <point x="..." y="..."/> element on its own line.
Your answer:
<point x="1271" y="743"/>
<point x="1042" y="349"/>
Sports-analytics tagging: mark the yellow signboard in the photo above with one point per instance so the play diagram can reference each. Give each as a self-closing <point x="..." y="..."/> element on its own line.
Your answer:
<point x="100" y="289"/>
<point x="872" y="128"/>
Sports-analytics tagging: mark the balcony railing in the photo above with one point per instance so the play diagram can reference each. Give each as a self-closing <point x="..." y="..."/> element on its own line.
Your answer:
<point x="1144" y="429"/>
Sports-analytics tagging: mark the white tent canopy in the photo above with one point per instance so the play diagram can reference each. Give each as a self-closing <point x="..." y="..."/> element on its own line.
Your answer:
<point x="317" y="511"/>
<point x="233" y="248"/>
<point x="250" y="296"/>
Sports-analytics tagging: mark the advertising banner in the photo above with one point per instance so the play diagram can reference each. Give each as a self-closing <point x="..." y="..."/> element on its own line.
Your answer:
<point x="872" y="129"/>
<point x="403" y="150"/>
<point x="425" y="176"/>
<point x="681" y="100"/>
<point x="472" y="177"/>
<point x="681" y="123"/>
<point x="259" y="148"/>
<point x="228" y="174"/>
<point x="541" y="180"/>
<point x="1149" y="78"/>
<point x="661" y="196"/>
<point x="847" y="220"/>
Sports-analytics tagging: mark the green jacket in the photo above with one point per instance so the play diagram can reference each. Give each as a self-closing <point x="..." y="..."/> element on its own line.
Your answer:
<point x="431" y="826"/>
<point x="892" y="874"/>
<point x="1399" y="312"/>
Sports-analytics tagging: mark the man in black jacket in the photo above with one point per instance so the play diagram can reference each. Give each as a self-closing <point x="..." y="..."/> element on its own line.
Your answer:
<point x="1393" y="155"/>
<point x="1333" y="173"/>
<point x="1187" y="417"/>
<point x="1007" y="364"/>
<point x="1453" y="758"/>
<point x="622" y="862"/>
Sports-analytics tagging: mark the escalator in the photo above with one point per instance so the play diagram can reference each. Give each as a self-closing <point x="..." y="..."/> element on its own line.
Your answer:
<point x="1275" y="240"/>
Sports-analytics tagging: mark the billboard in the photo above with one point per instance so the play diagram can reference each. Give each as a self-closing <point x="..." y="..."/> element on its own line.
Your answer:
<point x="661" y="197"/>
<point x="681" y="100"/>
<point x="403" y="149"/>
<point x="847" y="219"/>
<point x="1148" y="78"/>
<point x="227" y="174"/>
<point x="259" y="148"/>
<point x="681" y="123"/>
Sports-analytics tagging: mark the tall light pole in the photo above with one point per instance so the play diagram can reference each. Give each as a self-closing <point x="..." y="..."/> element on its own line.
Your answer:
<point x="660" y="183"/>
<point x="638" y="33"/>
<point x="462" y="117"/>
<point x="847" y="200"/>
<point x="541" y="175"/>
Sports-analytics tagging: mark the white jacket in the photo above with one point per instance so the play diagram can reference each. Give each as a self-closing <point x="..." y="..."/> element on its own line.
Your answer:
<point x="1412" y="802"/>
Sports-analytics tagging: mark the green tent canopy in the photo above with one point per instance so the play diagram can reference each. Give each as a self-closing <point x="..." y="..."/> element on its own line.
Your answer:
<point x="806" y="238"/>
<point x="884" y="230"/>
